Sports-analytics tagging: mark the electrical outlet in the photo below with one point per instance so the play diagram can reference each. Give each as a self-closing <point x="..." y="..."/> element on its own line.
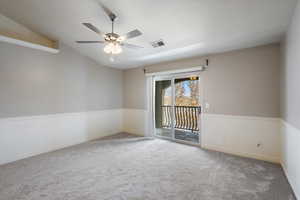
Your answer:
<point x="258" y="145"/>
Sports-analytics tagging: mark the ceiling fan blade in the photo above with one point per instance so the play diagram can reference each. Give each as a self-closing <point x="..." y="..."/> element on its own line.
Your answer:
<point x="131" y="46"/>
<point x="89" y="42"/>
<point x="132" y="34"/>
<point x="110" y="14"/>
<point x="93" y="28"/>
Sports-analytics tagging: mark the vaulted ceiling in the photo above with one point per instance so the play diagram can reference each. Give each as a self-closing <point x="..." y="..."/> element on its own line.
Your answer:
<point x="188" y="27"/>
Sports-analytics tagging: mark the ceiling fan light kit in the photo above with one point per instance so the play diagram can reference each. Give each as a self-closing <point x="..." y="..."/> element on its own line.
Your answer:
<point x="113" y="42"/>
<point x="113" y="48"/>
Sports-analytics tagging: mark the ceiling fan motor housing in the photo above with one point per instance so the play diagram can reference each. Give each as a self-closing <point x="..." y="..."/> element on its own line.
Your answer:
<point x="111" y="37"/>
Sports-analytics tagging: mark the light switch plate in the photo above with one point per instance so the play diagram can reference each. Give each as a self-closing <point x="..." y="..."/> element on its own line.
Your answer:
<point x="207" y="105"/>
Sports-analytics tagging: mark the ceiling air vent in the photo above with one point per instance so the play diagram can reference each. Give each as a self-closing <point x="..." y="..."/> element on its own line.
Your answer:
<point x="158" y="43"/>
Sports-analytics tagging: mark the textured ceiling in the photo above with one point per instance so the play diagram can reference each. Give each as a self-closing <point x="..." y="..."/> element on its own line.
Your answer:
<point x="189" y="27"/>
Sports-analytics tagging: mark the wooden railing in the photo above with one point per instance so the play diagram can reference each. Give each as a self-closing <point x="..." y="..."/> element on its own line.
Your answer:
<point x="186" y="117"/>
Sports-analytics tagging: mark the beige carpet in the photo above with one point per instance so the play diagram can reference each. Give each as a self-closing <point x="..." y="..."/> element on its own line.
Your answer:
<point x="130" y="168"/>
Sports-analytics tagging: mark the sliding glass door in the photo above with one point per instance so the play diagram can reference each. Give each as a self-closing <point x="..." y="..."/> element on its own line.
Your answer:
<point x="164" y="108"/>
<point x="187" y="109"/>
<point x="177" y="108"/>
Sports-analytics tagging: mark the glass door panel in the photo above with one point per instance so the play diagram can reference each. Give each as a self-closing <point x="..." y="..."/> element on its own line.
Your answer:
<point x="187" y="109"/>
<point x="163" y="108"/>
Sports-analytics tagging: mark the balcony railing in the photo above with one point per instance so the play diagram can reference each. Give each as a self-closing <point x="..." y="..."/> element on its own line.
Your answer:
<point x="186" y="117"/>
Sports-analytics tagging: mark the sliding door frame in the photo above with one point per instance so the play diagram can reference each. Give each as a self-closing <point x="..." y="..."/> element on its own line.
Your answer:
<point x="172" y="77"/>
<point x="164" y="78"/>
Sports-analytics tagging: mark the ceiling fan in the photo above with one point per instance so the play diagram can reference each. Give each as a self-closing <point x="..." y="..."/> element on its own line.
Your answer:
<point x="113" y="41"/>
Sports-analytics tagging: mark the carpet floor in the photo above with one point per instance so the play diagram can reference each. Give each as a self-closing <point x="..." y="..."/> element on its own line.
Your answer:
<point x="132" y="168"/>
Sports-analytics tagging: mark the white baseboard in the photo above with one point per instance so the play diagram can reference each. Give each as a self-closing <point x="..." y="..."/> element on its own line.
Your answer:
<point x="290" y="158"/>
<point x="242" y="154"/>
<point x="135" y="121"/>
<point x="22" y="137"/>
<point x="291" y="181"/>
<point x="240" y="135"/>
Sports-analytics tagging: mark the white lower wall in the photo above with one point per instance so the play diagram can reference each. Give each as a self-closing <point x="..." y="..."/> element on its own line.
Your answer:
<point x="23" y="137"/>
<point x="135" y="121"/>
<point x="237" y="135"/>
<point x="290" y="159"/>
<point x="240" y="135"/>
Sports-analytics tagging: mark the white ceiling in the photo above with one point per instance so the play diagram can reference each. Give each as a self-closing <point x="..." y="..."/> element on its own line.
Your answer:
<point x="188" y="27"/>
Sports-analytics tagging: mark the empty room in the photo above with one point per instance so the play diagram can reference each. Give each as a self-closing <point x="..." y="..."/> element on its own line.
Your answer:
<point x="149" y="100"/>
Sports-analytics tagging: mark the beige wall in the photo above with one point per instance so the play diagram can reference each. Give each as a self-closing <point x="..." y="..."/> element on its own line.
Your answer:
<point x="243" y="82"/>
<point x="134" y="88"/>
<point x="37" y="83"/>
